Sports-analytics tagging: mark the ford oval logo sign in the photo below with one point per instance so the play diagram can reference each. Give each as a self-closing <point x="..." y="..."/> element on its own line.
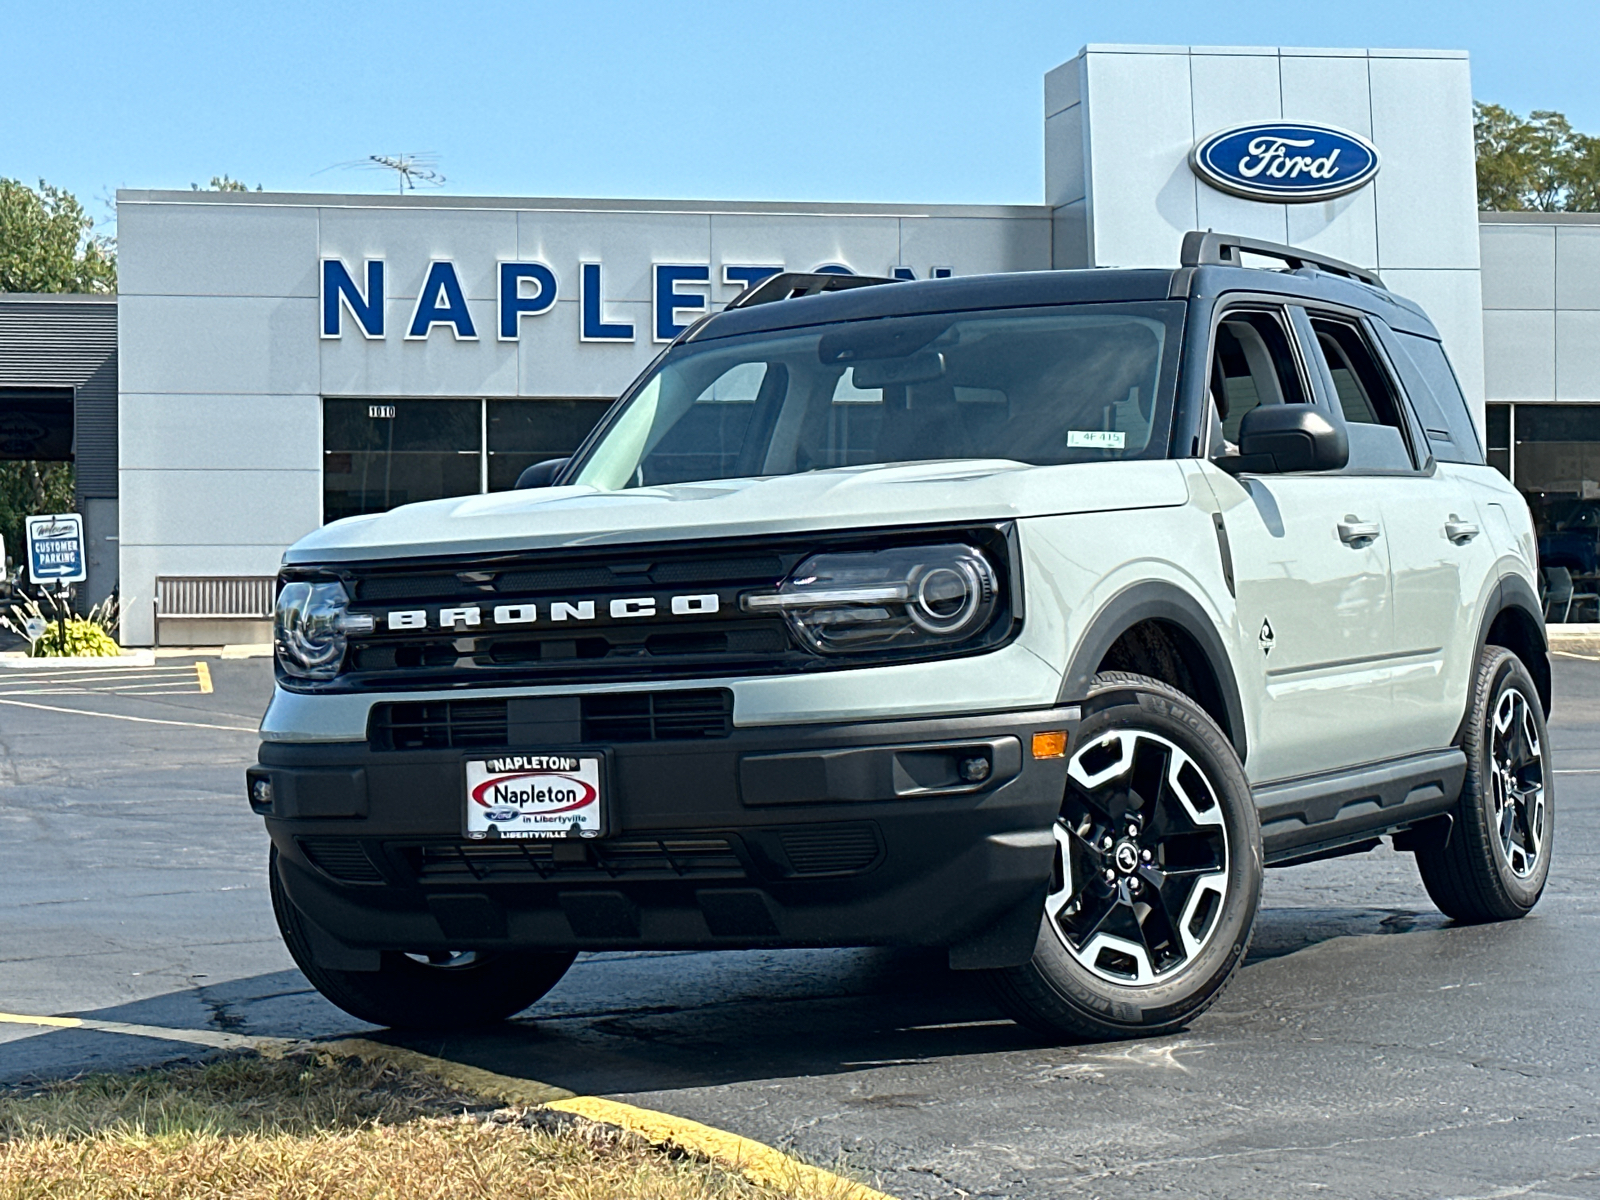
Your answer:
<point x="1283" y="161"/>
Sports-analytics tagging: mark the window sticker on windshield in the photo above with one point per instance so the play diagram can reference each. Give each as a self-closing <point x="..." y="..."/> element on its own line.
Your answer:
<point x="1097" y="439"/>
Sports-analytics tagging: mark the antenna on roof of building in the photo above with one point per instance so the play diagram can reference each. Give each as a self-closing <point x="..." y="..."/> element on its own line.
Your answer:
<point x="411" y="170"/>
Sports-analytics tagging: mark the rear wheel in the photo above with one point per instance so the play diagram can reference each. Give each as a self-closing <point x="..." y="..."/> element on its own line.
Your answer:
<point x="453" y="990"/>
<point x="1157" y="875"/>
<point x="1495" y="862"/>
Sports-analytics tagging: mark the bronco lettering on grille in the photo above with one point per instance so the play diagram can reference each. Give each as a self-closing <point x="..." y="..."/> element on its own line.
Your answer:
<point x="700" y="604"/>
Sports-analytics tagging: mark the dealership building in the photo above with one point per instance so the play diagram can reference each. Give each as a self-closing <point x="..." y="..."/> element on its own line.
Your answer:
<point x="285" y="360"/>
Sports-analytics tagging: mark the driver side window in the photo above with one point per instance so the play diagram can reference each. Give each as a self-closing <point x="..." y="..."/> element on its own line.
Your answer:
<point x="1251" y="364"/>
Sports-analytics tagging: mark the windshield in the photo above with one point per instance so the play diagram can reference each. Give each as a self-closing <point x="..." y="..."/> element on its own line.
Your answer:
<point x="1079" y="383"/>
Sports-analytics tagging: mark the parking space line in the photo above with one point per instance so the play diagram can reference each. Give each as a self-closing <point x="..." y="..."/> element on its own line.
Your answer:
<point x="53" y="1022"/>
<point x="100" y="682"/>
<point x="125" y="689"/>
<point x="84" y="712"/>
<point x="756" y="1161"/>
<point x="213" y="1038"/>
<point x="202" y="673"/>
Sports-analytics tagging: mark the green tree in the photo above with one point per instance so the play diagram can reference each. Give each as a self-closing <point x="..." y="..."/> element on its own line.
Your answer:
<point x="29" y="489"/>
<point x="1537" y="163"/>
<point x="47" y="244"/>
<point x="223" y="183"/>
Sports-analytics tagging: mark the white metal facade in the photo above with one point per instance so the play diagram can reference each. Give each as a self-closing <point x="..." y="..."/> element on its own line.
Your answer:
<point x="224" y="371"/>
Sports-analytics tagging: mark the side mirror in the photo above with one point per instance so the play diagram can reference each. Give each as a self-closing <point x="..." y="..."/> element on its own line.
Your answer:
<point x="1277" y="438"/>
<point x="541" y="473"/>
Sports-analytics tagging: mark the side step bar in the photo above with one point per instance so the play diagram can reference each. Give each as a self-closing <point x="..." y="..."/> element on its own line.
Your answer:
<point x="1302" y="818"/>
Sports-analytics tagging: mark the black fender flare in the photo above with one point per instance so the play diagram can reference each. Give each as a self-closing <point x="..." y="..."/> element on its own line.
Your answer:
<point x="1514" y="592"/>
<point x="1156" y="600"/>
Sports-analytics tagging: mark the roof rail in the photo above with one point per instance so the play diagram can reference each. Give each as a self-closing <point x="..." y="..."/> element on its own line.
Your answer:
<point x="793" y="284"/>
<point x="1204" y="248"/>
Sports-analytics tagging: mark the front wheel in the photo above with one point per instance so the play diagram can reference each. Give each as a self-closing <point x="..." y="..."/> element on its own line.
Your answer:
<point x="1495" y="862"/>
<point x="1157" y="875"/>
<point x="423" y="991"/>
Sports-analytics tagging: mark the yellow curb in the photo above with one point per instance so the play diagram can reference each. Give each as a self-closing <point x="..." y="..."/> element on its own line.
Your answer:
<point x="756" y="1161"/>
<point x="203" y="674"/>
<point x="529" y="1093"/>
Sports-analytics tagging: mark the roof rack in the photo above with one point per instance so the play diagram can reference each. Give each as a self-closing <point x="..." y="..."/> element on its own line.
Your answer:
<point x="1204" y="248"/>
<point x="793" y="284"/>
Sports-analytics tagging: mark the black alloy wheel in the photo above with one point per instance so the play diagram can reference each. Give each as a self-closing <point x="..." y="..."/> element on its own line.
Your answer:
<point x="1495" y="861"/>
<point x="1141" y="870"/>
<point x="1157" y="874"/>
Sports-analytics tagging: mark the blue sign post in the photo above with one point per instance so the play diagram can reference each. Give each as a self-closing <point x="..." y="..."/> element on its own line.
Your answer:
<point x="55" y="549"/>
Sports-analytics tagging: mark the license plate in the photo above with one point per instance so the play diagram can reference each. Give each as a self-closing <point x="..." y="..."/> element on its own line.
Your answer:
<point x="534" y="796"/>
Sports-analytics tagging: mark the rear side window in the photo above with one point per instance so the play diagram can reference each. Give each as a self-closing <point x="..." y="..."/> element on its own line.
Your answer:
<point x="1365" y="396"/>
<point x="1437" y="398"/>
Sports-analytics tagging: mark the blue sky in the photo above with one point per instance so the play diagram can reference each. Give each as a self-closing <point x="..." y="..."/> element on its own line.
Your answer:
<point x="851" y="100"/>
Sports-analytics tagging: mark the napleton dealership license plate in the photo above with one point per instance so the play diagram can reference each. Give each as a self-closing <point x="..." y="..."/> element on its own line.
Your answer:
<point x="534" y="796"/>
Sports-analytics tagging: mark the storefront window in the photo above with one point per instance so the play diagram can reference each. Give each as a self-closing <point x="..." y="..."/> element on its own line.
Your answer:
<point x="1498" y="419"/>
<point x="1554" y="460"/>
<point x="379" y="454"/>
<point x="524" y="432"/>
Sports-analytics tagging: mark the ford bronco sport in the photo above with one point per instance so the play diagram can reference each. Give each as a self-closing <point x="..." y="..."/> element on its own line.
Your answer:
<point x="1028" y="616"/>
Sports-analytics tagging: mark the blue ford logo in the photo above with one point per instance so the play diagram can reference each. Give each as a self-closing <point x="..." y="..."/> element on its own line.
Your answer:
<point x="1279" y="161"/>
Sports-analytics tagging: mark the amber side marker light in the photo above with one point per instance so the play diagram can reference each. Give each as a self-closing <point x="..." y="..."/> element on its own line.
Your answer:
<point x="1050" y="745"/>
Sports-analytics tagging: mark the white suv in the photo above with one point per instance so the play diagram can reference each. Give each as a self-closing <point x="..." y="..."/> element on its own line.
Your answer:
<point x="1029" y="616"/>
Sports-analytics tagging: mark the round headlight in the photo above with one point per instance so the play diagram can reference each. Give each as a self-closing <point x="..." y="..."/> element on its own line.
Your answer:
<point x="944" y="599"/>
<point x="904" y="597"/>
<point x="309" y="628"/>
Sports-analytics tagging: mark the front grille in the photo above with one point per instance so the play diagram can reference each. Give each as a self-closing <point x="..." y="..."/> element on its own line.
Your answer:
<point x="657" y="716"/>
<point x="671" y="611"/>
<point x="671" y="716"/>
<point x="830" y="849"/>
<point x="631" y="858"/>
<point x="438" y="725"/>
<point x="342" y="858"/>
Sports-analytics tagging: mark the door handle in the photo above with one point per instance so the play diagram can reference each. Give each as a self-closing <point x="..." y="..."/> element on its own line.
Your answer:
<point x="1358" y="533"/>
<point x="1458" y="531"/>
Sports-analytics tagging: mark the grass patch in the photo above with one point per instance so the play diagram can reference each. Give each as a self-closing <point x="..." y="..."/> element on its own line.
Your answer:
<point x="310" y="1125"/>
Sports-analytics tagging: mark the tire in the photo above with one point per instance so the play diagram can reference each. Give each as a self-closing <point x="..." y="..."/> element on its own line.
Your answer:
<point x="409" y="993"/>
<point x="1157" y="807"/>
<point x="1495" y="862"/>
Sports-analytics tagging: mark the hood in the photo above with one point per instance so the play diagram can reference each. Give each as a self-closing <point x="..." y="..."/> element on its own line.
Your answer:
<point x="882" y="496"/>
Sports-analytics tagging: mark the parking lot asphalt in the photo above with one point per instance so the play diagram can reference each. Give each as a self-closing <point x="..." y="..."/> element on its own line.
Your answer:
<point x="1368" y="1048"/>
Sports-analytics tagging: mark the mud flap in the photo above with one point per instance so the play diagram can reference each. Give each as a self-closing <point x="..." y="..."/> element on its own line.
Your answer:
<point x="1008" y="942"/>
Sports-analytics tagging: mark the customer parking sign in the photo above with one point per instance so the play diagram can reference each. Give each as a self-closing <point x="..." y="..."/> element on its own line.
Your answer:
<point x="55" y="549"/>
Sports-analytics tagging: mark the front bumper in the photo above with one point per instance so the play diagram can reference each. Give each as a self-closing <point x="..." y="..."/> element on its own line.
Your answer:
<point x="814" y="835"/>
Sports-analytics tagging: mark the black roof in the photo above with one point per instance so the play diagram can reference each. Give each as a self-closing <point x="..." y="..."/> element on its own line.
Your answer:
<point x="1032" y="289"/>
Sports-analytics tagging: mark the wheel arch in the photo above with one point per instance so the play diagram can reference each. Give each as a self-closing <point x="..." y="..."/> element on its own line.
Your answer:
<point x="1514" y="619"/>
<point x="1152" y="622"/>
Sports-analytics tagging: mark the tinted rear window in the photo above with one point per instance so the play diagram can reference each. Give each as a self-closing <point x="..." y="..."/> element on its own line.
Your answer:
<point x="1437" y="398"/>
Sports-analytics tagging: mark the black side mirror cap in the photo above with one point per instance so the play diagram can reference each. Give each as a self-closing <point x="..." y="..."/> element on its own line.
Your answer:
<point x="1278" y="438"/>
<point x="541" y="474"/>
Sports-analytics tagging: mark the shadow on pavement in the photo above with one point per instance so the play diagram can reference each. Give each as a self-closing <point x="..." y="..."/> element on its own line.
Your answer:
<point x="626" y="1022"/>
